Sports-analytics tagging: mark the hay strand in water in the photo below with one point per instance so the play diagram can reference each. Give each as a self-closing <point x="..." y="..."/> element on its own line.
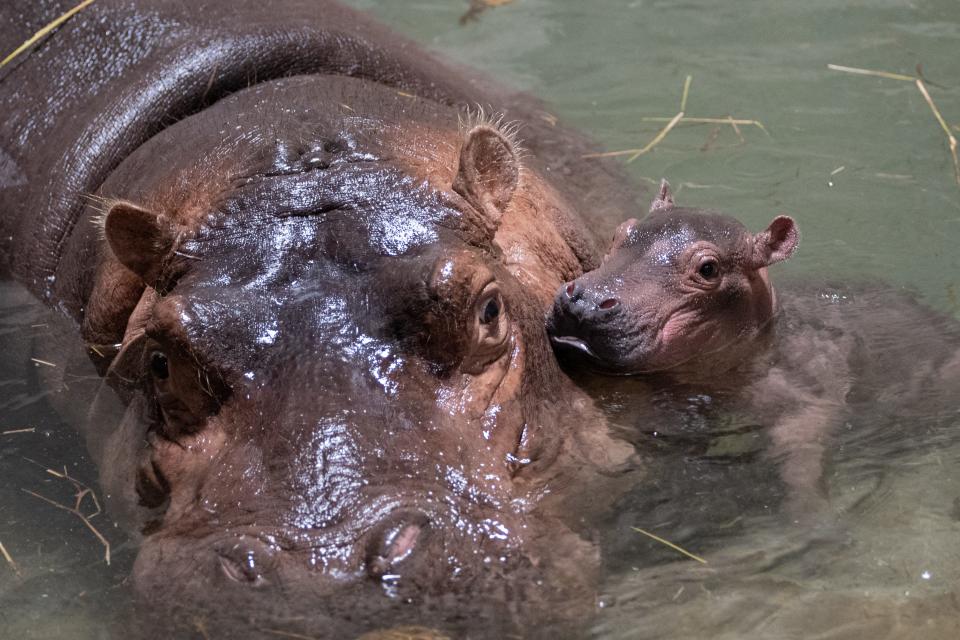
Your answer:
<point x="674" y="121"/>
<point x="83" y="491"/>
<point x="686" y="93"/>
<point x="921" y="83"/>
<point x="870" y="72"/>
<point x="670" y="544"/>
<point x="951" y="139"/>
<point x="636" y="153"/>
<point x="9" y="559"/>
<point x="10" y="432"/>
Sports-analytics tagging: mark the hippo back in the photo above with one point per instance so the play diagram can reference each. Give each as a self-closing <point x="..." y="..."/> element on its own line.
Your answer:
<point x="116" y="73"/>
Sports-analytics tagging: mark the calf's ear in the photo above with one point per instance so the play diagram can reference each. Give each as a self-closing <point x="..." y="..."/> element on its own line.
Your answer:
<point x="140" y="239"/>
<point x="622" y="236"/>
<point x="664" y="199"/>
<point x="489" y="170"/>
<point x="776" y="243"/>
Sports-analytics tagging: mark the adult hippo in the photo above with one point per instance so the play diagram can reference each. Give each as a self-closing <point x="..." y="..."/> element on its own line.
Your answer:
<point x="314" y="286"/>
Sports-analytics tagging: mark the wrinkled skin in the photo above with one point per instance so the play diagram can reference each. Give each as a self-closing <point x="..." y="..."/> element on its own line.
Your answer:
<point x="317" y="304"/>
<point x="684" y="301"/>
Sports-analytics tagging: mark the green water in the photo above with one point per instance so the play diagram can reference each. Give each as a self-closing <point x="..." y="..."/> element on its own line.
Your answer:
<point x="863" y="166"/>
<point x="894" y="209"/>
<point x="859" y="162"/>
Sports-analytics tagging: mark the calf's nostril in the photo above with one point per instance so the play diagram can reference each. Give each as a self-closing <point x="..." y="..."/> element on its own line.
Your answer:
<point x="609" y="303"/>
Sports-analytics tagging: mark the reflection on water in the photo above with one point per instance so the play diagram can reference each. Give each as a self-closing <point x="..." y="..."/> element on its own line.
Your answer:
<point x="59" y="585"/>
<point x="862" y="166"/>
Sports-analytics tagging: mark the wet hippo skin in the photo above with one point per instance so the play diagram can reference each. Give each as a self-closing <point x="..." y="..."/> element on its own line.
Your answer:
<point x="684" y="302"/>
<point x="312" y="278"/>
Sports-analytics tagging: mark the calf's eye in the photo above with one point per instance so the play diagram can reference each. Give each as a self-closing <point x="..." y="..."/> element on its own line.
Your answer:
<point x="709" y="270"/>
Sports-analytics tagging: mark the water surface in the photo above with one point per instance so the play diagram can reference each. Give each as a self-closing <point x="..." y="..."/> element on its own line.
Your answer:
<point x="859" y="162"/>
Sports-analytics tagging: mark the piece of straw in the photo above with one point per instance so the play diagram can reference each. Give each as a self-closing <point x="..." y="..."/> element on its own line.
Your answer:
<point x="921" y="85"/>
<point x="670" y="544"/>
<point x="44" y="31"/>
<point x="871" y="72"/>
<point x="10" y="432"/>
<point x="728" y="120"/>
<point x="636" y="153"/>
<point x="83" y="518"/>
<point x="951" y="140"/>
<point x="83" y="491"/>
<point x="9" y="559"/>
<point x="686" y="92"/>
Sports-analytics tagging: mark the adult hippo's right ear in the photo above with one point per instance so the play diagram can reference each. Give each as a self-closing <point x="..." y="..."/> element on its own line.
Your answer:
<point x="488" y="173"/>
<point x="140" y="239"/>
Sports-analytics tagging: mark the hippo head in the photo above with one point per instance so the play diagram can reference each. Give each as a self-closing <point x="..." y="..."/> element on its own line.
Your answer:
<point x="341" y="380"/>
<point x="684" y="291"/>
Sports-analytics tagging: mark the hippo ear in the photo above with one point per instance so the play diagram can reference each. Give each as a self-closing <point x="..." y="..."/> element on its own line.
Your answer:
<point x="622" y="236"/>
<point x="776" y="243"/>
<point x="664" y="199"/>
<point x="489" y="170"/>
<point x="139" y="239"/>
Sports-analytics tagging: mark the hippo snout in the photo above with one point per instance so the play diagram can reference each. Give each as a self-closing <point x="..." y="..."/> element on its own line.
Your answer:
<point x="578" y="312"/>
<point x="585" y="305"/>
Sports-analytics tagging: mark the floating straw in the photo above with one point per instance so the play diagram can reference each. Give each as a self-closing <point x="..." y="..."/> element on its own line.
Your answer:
<point x="670" y="544"/>
<point x="674" y="121"/>
<point x="9" y="559"/>
<point x="922" y="86"/>
<point x="82" y="492"/>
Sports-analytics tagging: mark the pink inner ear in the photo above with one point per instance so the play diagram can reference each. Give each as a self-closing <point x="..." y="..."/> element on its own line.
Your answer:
<point x="622" y="235"/>
<point x="489" y="170"/>
<point x="777" y="242"/>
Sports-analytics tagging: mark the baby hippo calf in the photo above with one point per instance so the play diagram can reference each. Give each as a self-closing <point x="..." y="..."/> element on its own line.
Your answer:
<point x="683" y="299"/>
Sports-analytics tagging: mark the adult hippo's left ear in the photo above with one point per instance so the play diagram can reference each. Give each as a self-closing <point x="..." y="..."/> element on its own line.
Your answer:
<point x="140" y="239"/>
<point x="489" y="171"/>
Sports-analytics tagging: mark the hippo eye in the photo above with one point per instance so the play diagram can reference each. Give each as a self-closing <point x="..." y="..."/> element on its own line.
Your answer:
<point x="243" y="569"/>
<point x="709" y="270"/>
<point x="159" y="366"/>
<point x="491" y="311"/>
<point x="491" y="329"/>
<point x="246" y="562"/>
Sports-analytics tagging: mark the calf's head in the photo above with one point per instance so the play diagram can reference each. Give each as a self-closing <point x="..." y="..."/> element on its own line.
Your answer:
<point x="684" y="291"/>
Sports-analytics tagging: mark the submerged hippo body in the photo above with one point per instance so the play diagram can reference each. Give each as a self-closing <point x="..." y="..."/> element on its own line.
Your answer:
<point x="683" y="300"/>
<point x="314" y="283"/>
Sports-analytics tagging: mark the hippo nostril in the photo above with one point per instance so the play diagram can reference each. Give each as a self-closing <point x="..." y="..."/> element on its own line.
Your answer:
<point x="609" y="303"/>
<point x="571" y="289"/>
<point x="395" y="543"/>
